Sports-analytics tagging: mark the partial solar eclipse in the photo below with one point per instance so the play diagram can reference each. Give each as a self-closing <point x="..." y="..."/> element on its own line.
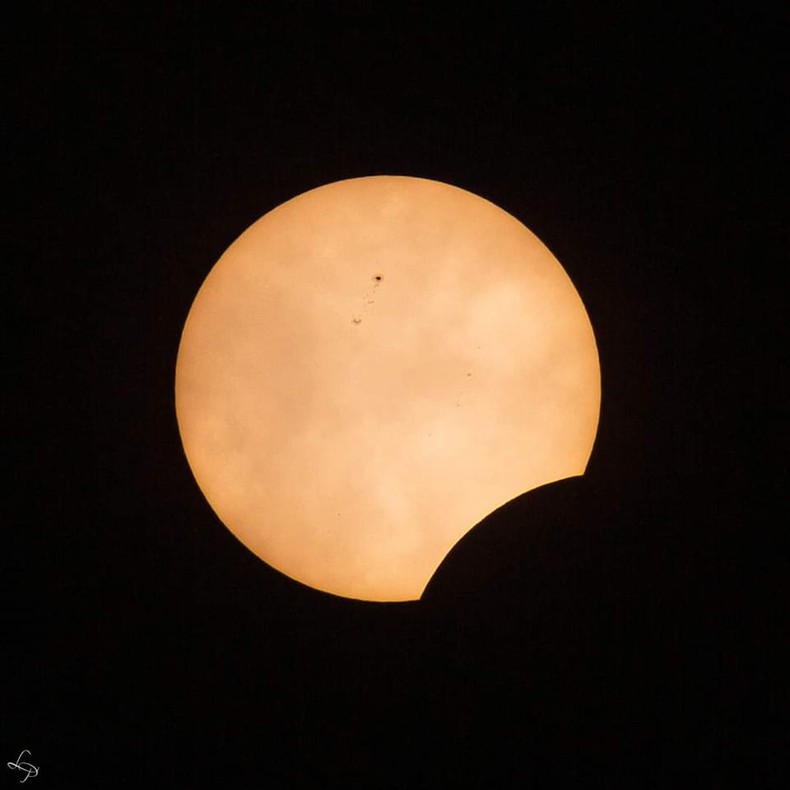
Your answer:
<point x="371" y="369"/>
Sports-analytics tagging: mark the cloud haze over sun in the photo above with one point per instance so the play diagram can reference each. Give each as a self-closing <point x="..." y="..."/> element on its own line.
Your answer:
<point x="371" y="369"/>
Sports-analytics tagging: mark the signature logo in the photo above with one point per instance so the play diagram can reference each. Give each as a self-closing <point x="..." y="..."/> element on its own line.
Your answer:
<point x="28" y="768"/>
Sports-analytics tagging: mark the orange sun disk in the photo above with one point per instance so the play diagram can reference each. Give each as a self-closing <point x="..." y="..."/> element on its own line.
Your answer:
<point x="371" y="369"/>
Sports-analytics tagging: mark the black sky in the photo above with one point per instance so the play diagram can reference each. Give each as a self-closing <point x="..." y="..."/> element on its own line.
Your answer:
<point x="621" y="630"/>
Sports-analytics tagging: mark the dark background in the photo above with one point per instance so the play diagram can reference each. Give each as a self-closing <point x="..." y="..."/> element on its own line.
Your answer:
<point x="618" y="630"/>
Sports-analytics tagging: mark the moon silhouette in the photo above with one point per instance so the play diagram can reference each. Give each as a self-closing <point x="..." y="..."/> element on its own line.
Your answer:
<point x="372" y="368"/>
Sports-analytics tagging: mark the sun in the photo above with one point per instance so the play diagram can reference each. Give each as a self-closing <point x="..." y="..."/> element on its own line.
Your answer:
<point x="371" y="369"/>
